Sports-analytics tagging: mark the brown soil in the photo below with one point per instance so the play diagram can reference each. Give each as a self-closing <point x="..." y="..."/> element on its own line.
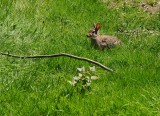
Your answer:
<point x="151" y="8"/>
<point x="147" y="6"/>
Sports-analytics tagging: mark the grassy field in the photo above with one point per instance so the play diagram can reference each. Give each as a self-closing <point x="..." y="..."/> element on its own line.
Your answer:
<point x="40" y="86"/>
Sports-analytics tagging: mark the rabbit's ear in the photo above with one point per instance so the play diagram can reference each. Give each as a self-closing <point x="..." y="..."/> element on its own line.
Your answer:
<point x="98" y="25"/>
<point x="94" y="25"/>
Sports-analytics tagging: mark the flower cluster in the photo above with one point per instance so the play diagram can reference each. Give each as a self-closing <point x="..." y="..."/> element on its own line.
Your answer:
<point x="84" y="78"/>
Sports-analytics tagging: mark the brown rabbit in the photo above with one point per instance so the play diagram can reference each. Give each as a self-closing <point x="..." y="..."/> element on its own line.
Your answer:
<point x="102" y="41"/>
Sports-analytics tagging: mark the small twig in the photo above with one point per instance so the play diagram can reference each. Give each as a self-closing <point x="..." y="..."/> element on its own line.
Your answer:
<point x="57" y="55"/>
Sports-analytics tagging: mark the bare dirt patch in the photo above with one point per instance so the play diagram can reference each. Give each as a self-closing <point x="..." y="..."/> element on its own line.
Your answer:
<point x="145" y="5"/>
<point x="152" y="8"/>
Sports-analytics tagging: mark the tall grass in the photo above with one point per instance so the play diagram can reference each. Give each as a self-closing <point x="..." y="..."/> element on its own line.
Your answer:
<point x="40" y="87"/>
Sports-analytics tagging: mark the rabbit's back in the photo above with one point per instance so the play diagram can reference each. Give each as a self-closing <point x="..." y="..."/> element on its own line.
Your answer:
<point x="106" y="40"/>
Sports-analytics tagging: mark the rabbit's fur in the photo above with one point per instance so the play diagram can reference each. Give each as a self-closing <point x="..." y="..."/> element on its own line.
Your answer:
<point x="102" y="41"/>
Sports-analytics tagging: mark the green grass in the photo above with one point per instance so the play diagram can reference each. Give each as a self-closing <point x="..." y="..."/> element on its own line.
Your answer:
<point x="40" y="87"/>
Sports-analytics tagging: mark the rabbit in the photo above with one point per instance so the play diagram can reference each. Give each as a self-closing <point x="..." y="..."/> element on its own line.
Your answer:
<point x="102" y="41"/>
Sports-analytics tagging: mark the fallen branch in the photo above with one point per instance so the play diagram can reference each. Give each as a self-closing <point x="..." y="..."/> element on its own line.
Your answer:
<point x="57" y="55"/>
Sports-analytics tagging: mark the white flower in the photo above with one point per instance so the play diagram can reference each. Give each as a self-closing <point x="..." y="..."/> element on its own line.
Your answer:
<point x="92" y="68"/>
<point x="81" y="69"/>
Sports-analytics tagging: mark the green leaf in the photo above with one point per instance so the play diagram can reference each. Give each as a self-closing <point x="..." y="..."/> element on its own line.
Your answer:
<point x="88" y="84"/>
<point x="80" y="75"/>
<point x="73" y="83"/>
<point x="94" y="77"/>
<point x="75" y="78"/>
<point x="70" y="82"/>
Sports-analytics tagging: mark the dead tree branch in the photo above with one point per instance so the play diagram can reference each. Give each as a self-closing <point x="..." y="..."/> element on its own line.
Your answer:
<point x="58" y="55"/>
